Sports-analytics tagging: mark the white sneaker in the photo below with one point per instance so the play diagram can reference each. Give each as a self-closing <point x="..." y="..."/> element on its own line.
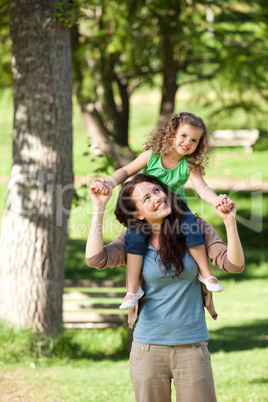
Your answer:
<point x="132" y="302"/>
<point x="213" y="287"/>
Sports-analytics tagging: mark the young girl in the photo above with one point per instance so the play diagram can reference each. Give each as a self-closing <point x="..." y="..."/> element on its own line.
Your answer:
<point x="173" y="153"/>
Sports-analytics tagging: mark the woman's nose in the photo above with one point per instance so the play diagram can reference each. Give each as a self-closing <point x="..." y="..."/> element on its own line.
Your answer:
<point x="157" y="197"/>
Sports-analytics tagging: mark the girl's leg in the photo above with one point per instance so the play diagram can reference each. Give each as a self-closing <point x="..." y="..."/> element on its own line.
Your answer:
<point x="134" y="291"/>
<point x="199" y="254"/>
<point x="195" y="244"/>
<point x="134" y="265"/>
<point x="136" y="245"/>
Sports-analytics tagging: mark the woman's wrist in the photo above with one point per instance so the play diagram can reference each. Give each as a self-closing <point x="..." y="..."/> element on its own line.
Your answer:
<point x="229" y="221"/>
<point x="99" y="209"/>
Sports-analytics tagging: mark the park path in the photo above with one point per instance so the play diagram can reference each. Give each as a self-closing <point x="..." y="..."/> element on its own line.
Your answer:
<point x="226" y="184"/>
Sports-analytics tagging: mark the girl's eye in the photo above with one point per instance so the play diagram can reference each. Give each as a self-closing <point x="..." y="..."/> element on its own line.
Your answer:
<point x="156" y="190"/>
<point x="146" y="199"/>
<point x="183" y="135"/>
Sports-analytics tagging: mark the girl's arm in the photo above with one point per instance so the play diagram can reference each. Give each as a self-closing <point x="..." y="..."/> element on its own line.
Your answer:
<point x="202" y="189"/>
<point x="122" y="174"/>
<point x="207" y="194"/>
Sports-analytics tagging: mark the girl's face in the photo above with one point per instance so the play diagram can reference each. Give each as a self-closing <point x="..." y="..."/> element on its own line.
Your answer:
<point x="187" y="139"/>
<point x="151" y="203"/>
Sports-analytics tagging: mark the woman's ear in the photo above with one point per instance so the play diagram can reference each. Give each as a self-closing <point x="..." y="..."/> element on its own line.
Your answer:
<point x="137" y="215"/>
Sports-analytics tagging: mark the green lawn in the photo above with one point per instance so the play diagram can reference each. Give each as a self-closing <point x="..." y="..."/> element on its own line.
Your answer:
<point x="96" y="361"/>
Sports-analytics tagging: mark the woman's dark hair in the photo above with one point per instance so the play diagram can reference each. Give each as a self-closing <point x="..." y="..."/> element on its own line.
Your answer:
<point x="172" y="241"/>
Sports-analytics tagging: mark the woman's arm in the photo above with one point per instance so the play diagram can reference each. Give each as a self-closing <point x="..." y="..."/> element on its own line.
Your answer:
<point x="97" y="255"/>
<point x="95" y="238"/>
<point x="229" y="258"/>
<point x="234" y="250"/>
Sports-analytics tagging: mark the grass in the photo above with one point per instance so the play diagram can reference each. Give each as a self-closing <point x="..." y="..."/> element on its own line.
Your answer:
<point x="97" y="361"/>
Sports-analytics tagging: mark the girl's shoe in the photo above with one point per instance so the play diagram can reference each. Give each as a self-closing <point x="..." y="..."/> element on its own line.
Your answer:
<point x="132" y="302"/>
<point x="213" y="287"/>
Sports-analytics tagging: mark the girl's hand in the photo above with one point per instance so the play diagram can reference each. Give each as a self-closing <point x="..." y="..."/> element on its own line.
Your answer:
<point x="227" y="215"/>
<point x="101" y="187"/>
<point x="98" y="198"/>
<point x="224" y="204"/>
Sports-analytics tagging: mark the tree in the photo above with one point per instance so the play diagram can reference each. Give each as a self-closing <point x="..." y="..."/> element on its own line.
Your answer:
<point x="120" y="45"/>
<point x="5" y="53"/>
<point x="34" y="226"/>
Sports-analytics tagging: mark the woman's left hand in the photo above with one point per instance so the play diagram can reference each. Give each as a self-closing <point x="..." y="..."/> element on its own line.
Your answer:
<point x="227" y="215"/>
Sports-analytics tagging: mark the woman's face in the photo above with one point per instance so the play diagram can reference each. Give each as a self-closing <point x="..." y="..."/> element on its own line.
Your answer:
<point x="151" y="202"/>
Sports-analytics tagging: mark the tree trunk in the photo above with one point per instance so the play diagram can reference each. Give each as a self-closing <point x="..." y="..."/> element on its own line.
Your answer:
<point x="170" y="86"/>
<point x="34" y="227"/>
<point x="100" y="142"/>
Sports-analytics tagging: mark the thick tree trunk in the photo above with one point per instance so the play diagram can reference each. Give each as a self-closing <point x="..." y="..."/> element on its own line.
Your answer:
<point x="34" y="227"/>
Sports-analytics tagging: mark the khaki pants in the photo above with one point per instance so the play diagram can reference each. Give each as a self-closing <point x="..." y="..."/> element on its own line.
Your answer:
<point x="152" y="367"/>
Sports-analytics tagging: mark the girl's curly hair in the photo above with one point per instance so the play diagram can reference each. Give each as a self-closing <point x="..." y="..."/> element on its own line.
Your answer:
<point x="172" y="241"/>
<point x="161" y="139"/>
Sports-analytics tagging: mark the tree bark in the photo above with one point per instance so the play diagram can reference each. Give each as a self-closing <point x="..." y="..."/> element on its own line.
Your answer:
<point x="170" y="70"/>
<point x="170" y="28"/>
<point x="34" y="227"/>
<point x="100" y="142"/>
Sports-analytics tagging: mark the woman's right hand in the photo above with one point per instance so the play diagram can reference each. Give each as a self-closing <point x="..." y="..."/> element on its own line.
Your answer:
<point x="99" y="198"/>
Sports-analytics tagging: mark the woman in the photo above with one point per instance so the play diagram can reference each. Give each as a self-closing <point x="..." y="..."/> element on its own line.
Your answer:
<point x="170" y="334"/>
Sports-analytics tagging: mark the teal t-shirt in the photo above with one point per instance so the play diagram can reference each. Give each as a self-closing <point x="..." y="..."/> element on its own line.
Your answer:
<point x="171" y="311"/>
<point x="175" y="178"/>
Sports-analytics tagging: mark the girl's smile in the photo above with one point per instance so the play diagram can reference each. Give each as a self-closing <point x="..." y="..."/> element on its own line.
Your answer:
<point x="186" y="140"/>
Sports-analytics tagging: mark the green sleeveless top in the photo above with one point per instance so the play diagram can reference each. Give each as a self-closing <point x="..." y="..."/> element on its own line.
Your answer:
<point x="174" y="178"/>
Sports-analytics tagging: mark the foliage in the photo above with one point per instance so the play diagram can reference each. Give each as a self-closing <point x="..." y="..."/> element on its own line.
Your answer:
<point x="119" y="46"/>
<point x="238" y="32"/>
<point x="22" y="345"/>
<point x="5" y="45"/>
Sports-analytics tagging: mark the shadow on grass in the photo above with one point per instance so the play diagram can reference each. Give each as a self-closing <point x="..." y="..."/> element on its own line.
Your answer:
<point x="244" y="337"/>
<point x="227" y="339"/>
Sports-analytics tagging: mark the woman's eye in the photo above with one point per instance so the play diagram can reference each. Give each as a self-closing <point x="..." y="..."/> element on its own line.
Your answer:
<point x="146" y="199"/>
<point x="156" y="190"/>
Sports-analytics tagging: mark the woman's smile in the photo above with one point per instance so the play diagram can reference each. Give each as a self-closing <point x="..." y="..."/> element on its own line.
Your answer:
<point x="162" y="205"/>
<point x="151" y="202"/>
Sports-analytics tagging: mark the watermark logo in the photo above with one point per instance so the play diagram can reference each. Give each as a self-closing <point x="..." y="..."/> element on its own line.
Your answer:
<point x="30" y="194"/>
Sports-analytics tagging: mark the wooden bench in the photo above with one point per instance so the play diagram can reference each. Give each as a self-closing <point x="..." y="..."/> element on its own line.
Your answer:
<point x="234" y="138"/>
<point x="93" y="304"/>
